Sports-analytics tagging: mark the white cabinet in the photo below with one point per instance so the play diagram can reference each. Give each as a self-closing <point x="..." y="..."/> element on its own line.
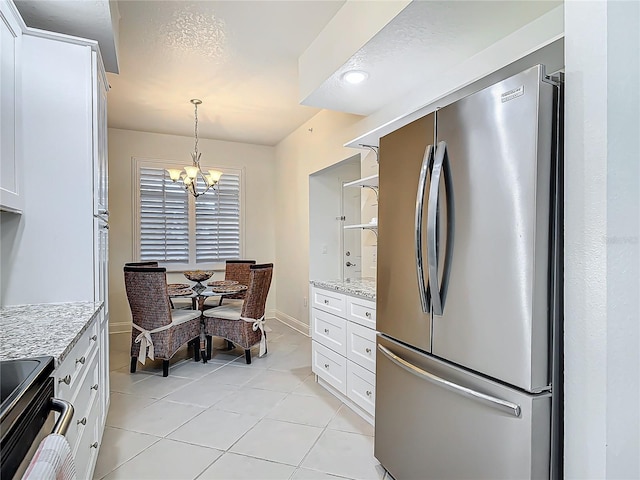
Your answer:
<point x="60" y="243"/>
<point x="79" y="380"/>
<point x="11" y="175"/>
<point x="343" y="347"/>
<point x="64" y="141"/>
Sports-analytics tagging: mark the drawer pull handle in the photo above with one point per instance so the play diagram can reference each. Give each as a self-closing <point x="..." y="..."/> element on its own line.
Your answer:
<point x="95" y="387"/>
<point x="368" y="350"/>
<point x="326" y="330"/>
<point x="83" y="421"/>
<point x="94" y="338"/>
<point x="81" y="360"/>
<point x="66" y="379"/>
<point x="94" y="445"/>
<point x="326" y="302"/>
<point x="367" y="314"/>
<point x="368" y="393"/>
<point x="326" y="365"/>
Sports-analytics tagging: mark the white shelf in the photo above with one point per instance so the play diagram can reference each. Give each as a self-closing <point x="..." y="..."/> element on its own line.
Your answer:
<point x="371" y="182"/>
<point x="370" y="226"/>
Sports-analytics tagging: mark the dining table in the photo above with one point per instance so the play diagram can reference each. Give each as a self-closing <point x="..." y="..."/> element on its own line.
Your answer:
<point x="198" y="294"/>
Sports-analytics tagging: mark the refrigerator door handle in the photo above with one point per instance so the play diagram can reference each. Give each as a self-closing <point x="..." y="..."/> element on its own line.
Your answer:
<point x="423" y="287"/>
<point x="493" y="402"/>
<point x="441" y="168"/>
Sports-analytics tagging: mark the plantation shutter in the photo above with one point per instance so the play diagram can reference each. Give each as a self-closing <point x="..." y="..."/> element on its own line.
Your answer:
<point x="164" y="218"/>
<point x="218" y="221"/>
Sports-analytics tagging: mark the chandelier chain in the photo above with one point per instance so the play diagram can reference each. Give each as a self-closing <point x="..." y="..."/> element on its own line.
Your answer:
<point x="196" y="131"/>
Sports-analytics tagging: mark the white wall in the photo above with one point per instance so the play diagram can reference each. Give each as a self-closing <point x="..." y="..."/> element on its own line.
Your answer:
<point x="315" y="145"/>
<point x="602" y="376"/>
<point x="259" y="199"/>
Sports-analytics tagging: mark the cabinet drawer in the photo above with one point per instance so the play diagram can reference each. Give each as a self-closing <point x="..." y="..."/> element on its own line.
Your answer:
<point x="361" y="387"/>
<point x="83" y="400"/>
<point x="329" y="366"/>
<point x="332" y="302"/>
<point x="87" y="446"/>
<point x="330" y="331"/>
<point x="361" y="346"/>
<point x="70" y="373"/>
<point x="362" y="311"/>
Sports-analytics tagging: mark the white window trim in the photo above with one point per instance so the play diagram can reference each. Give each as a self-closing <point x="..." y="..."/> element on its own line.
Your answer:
<point x="136" y="164"/>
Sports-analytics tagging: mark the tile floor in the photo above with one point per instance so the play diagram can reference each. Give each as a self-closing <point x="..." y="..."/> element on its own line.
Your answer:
<point x="229" y="420"/>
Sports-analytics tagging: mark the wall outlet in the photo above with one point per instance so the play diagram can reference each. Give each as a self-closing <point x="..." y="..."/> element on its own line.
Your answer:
<point x="305" y="302"/>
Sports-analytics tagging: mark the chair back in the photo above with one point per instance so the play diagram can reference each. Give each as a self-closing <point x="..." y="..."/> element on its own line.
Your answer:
<point x="148" y="296"/>
<point x="238" y="270"/>
<point x="256" y="297"/>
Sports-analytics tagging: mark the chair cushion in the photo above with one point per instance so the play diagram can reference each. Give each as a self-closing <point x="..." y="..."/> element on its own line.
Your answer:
<point x="228" y="312"/>
<point x="181" y="316"/>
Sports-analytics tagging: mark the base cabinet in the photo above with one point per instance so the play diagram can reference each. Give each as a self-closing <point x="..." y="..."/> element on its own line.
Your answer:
<point x="343" y="348"/>
<point x="80" y="381"/>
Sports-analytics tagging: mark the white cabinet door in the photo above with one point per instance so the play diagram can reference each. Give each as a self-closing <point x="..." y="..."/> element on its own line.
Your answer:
<point x="11" y="196"/>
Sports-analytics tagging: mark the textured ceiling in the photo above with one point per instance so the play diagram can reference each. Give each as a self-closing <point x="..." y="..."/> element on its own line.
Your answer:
<point x="422" y="41"/>
<point x="241" y="57"/>
<point x="238" y="57"/>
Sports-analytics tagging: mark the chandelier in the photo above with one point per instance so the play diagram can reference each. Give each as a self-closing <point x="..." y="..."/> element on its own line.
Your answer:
<point x="189" y="175"/>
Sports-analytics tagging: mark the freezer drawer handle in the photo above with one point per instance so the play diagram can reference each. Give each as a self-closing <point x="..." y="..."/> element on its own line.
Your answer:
<point x="423" y="288"/>
<point x="497" y="403"/>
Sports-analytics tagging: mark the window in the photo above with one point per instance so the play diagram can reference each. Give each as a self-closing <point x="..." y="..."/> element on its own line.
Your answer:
<point x="179" y="231"/>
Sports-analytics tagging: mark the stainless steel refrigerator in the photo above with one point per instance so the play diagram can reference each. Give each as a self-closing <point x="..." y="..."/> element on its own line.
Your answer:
<point x="468" y="375"/>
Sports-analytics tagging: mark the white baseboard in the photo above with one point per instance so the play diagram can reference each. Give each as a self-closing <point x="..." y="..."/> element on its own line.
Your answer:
<point x="294" y="323"/>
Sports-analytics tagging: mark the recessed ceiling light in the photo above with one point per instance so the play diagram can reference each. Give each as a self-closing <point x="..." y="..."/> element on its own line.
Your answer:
<point x="355" y="76"/>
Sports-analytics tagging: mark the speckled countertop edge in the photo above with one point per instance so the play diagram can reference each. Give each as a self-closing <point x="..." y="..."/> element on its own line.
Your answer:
<point x="365" y="288"/>
<point x="48" y="329"/>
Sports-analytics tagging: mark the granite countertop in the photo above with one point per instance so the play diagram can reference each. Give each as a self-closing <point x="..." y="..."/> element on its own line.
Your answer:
<point x="365" y="287"/>
<point x="48" y="329"/>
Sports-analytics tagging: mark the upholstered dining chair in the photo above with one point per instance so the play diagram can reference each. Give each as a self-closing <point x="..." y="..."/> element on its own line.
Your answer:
<point x="243" y="324"/>
<point x="158" y="330"/>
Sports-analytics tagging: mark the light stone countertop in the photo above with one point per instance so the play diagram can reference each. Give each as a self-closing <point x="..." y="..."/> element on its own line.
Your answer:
<point x="365" y="287"/>
<point x="48" y="329"/>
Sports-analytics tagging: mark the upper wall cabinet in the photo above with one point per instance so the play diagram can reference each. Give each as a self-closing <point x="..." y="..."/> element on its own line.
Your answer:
<point x="11" y="195"/>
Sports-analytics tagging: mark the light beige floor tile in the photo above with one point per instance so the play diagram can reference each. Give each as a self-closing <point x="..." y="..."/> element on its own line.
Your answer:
<point x="316" y="411"/>
<point x="232" y="375"/>
<point x="277" y="381"/>
<point x="215" y="428"/>
<point x="119" y="446"/>
<point x="312" y="388"/>
<point x="202" y="392"/>
<point x="306" y="474"/>
<point x="121" y="381"/>
<point x="168" y="460"/>
<point x="194" y="370"/>
<point x="161" y="418"/>
<point x="278" y="441"/>
<point x="239" y="467"/>
<point x="346" y="454"/>
<point x="124" y="408"/>
<point x="155" y="386"/>
<point x="348" y="421"/>
<point x="252" y="401"/>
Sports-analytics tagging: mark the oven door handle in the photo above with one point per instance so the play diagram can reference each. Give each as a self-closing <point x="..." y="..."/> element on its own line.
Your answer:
<point x="66" y="415"/>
